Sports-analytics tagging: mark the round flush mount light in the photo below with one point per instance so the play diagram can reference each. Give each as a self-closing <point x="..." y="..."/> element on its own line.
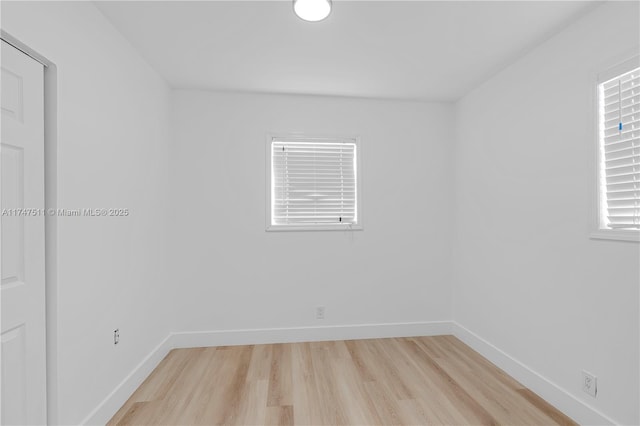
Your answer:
<point x="312" y="10"/>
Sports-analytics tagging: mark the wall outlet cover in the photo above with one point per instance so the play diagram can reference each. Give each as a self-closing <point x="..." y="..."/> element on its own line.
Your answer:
<point x="589" y="383"/>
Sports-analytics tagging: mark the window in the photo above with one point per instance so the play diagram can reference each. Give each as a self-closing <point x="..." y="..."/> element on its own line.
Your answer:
<point x="619" y="152"/>
<point x="313" y="184"/>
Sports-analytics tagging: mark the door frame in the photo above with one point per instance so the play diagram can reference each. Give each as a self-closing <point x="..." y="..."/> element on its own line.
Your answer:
<point x="50" y="223"/>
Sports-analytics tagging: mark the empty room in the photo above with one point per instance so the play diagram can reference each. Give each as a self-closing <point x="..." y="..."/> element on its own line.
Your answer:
<point x="320" y="212"/>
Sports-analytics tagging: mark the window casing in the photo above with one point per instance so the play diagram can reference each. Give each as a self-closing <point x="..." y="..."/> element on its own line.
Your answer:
<point x="618" y="152"/>
<point x="313" y="184"/>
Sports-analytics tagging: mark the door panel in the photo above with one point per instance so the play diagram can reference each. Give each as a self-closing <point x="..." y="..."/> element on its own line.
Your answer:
<point x="14" y="376"/>
<point x="12" y="226"/>
<point x="22" y="288"/>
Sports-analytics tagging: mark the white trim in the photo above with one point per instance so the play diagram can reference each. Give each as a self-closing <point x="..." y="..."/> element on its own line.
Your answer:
<point x="316" y="137"/>
<point x="294" y="228"/>
<point x="197" y="339"/>
<point x="50" y="227"/>
<point x="619" y="67"/>
<point x="116" y="399"/>
<point x="560" y="398"/>
<point x="24" y="48"/>
<point x="545" y="388"/>
<point x="606" y="71"/>
<point x="615" y="234"/>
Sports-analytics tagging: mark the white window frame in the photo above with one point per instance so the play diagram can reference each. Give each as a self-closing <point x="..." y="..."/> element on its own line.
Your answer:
<point x="598" y="229"/>
<point x="286" y="137"/>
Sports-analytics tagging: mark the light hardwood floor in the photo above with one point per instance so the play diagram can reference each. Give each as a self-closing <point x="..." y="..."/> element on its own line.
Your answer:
<point x="410" y="381"/>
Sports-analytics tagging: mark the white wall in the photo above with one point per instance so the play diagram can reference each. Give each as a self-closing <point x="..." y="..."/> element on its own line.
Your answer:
<point x="231" y="274"/>
<point x="112" y="152"/>
<point x="527" y="277"/>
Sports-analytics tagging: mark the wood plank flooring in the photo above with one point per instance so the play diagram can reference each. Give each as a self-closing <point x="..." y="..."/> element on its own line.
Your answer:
<point x="401" y="381"/>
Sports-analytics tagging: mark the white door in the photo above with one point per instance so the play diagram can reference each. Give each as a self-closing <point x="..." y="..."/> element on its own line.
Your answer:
<point x="22" y="291"/>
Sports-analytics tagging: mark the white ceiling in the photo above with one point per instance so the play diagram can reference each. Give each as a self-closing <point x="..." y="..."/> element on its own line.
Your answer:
<point x="427" y="50"/>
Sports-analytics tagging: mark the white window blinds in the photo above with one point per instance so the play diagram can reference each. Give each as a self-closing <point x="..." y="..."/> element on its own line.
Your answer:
<point x="313" y="183"/>
<point x="619" y="106"/>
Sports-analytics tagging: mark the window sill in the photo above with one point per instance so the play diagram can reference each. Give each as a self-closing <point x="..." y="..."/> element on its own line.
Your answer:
<point x="616" y="235"/>
<point x="289" y="228"/>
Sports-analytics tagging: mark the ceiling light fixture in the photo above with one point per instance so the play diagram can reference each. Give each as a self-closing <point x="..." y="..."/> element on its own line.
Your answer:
<point x="312" y="10"/>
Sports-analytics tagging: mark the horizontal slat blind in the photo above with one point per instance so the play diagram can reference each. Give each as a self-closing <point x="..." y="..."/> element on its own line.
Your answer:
<point x="620" y="139"/>
<point x="313" y="183"/>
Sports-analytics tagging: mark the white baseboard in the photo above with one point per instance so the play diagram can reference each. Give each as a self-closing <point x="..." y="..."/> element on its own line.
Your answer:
<point x="193" y="339"/>
<point x="116" y="399"/>
<point x="545" y="388"/>
<point x="112" y="403"/>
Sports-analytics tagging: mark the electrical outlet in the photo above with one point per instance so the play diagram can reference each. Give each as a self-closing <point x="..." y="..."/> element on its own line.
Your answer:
<point x="116" y="336"/>
<point x="320" y="312"/>
<point x="589" y="383"/>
